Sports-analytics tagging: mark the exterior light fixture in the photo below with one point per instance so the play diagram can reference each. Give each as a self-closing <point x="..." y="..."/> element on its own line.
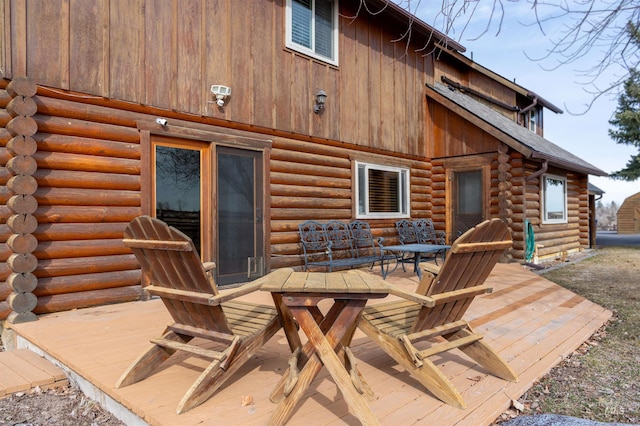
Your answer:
<point x="221" y="93"/>
<point x="321" y="98"/>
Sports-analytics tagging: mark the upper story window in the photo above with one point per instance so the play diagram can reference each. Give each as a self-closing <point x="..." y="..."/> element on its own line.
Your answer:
<point x="312" y="28"/>
<point x="533" y="119"/>
<point x="554" y="199"/>
<point x="381" y="191"/>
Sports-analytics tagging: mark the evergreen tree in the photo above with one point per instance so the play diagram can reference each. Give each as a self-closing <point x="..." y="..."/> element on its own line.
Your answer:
<point x="626" y="120"/>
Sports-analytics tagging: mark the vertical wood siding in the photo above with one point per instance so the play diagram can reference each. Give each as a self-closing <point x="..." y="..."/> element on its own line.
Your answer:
<point x="167" y="54"/>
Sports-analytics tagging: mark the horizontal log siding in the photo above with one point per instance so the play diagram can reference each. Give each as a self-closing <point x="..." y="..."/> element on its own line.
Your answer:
<point x="88" y="177"/>
<point x="556" y="238"/>
<point x="314" y="182"/>
<point x="167" y="54"/>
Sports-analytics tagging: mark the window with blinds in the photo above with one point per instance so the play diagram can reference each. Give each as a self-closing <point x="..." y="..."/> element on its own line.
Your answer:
<point x="382" y="191"/>
<point x="312" y="28"/>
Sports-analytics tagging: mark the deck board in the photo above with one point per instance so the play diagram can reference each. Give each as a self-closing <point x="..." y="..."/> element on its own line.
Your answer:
<point x="531" y="322"/>
<point x="22" y="370"/>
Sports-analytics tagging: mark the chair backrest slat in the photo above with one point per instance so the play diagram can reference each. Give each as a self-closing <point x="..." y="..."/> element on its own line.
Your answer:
<point x="175" y="269"/>
<point x="468" y="264"/>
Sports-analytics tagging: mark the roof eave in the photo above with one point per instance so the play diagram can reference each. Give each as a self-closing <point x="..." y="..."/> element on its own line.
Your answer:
<point x="422" y="27"/>
<point x="510" y="141"/>
<point x="503" y="80"/>
<point x="568" y="165"/>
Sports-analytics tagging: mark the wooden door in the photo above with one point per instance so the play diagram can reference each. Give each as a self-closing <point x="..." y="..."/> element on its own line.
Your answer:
<point x="468" y="201"/>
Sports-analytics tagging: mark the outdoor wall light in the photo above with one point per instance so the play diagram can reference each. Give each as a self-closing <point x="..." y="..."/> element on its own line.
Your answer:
<point x="321" y="98"/>
<point x="221" y="93"/>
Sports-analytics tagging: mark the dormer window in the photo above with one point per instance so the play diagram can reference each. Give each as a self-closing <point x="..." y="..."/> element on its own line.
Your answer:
<point x="312" y="28"/>
<point x="533" y="119"/>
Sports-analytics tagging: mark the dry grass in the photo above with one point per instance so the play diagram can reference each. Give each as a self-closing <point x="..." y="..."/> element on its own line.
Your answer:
<point x="601" y="380"/>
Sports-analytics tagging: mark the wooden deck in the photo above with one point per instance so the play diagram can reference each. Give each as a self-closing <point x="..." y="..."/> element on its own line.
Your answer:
<point x="22" y="370"/>
<point x="533" y="323"/>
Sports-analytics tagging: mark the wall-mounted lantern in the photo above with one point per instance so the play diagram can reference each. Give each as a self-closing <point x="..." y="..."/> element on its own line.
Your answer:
<point x="321" y="98"/>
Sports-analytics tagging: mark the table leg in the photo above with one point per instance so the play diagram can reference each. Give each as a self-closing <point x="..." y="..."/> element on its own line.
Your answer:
<point x="416" y="266"/>
<point x="288" y="324"/>
<point x="338" y="326"/>
<point x="325" y="322"/>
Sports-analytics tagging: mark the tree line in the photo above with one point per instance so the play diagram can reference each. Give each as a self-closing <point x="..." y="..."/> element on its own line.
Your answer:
<point x="607" y="215"/>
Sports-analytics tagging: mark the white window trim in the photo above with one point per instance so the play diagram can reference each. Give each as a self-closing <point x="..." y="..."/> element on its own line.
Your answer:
<point x="406" y="195"/>
<point x="544" y="200"/>
<point x="310" y="52"/>
<point x="533" y="120"/>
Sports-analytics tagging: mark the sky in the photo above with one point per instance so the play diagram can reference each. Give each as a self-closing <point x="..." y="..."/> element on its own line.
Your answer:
<point x="508" y="53"/>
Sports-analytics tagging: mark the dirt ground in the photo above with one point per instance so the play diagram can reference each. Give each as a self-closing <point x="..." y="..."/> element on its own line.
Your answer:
<point x="60" y="407"/>
<point x="70" y="407"/>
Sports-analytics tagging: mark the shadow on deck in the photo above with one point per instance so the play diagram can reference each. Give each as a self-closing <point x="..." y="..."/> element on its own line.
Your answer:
<point x="532" y="322"/>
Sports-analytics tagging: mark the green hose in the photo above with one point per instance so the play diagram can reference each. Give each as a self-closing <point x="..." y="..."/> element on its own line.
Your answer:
<point x="530" y="241"/>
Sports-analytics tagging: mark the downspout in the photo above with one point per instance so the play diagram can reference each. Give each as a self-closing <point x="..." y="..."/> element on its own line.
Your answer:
<point x="529" y="239"/>
<point x="543" y="169"/>
<point x="526" y="109"/>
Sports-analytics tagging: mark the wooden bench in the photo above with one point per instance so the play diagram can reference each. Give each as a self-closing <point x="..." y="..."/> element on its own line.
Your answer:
<point x="337" y="244"/>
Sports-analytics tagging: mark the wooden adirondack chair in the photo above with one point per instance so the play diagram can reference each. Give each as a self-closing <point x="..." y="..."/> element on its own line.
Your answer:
<point x="434" y="312"/>
<point x="177" y="276"/>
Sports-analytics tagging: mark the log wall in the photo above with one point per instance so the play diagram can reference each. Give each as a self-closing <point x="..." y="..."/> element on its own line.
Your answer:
<point x="88" y="175"/>
<point x="314" y="181"/>
<point x="553" y="239"/>
<point x="87" y="188"/>
<point x="516" y="199"/>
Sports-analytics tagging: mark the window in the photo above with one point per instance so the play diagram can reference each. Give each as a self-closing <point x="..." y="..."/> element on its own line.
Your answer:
<point x="533" y="118"/>
<point x="312" y="28"/>
<point x="179" y="186"/>
<point x="554" y="199"/>
<point x="381" y="191"/>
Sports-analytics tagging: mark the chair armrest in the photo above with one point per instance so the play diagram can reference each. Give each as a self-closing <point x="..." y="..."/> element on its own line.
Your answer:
<point x="461" y="294"/>
<point x="438" y="299"/>
<point x="201" y="298"/>
<point x="226" y="295"/>
<point x="411" y="296"/>
<point x="430" y="267"/>
<point x="209" y="266"/>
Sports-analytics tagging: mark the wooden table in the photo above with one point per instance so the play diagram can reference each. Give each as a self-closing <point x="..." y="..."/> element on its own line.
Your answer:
<point x="329" y="336"/>
<point x="417" y="249"/>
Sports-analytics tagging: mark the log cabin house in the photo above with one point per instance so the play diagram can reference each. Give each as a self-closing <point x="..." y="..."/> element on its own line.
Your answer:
<point x="108" y="111"/>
